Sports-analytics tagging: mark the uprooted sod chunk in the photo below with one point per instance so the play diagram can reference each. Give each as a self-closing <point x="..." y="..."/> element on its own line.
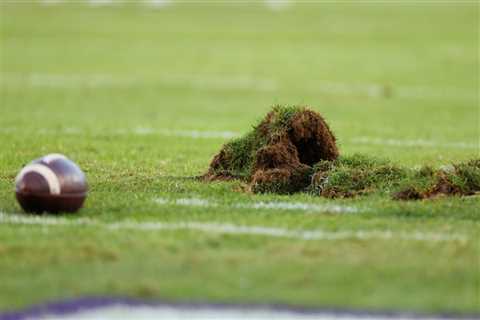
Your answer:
<point x="278" y="155"/>
<point x="293" y="150"/>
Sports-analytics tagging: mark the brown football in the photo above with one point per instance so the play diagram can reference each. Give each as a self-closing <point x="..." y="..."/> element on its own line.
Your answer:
<point x="52" y="184"/>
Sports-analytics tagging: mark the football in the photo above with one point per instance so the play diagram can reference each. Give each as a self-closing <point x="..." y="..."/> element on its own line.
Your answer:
<point x="51" y="184"/>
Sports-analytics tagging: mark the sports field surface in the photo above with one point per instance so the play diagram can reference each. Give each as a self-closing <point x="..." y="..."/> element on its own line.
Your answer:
<point x="143" y="96"/>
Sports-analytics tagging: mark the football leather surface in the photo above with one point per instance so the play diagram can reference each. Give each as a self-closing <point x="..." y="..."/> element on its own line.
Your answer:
<point x="52" y="184"/>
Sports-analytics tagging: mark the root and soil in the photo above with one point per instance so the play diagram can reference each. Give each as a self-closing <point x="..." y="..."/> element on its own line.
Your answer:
<point x="278" y="155"/>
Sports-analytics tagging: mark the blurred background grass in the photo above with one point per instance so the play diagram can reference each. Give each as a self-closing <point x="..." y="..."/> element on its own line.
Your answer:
<point x="378" y="71"/>
<point x="115" y="86"/>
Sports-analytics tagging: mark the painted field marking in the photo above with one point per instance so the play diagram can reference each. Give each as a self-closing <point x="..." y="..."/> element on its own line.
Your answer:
<point x="287" y="233"/>
<point x="29" y="219"/>
<point x="279" y="205"/>
<point x="374" y="90"/>
<point x="50" y="2"/>
<point x="100" y="2"/>
<point x="198" y="82"/>
<point x="278" y="5"/>
<point x="220" y="82"/>
<point x="212" y="134"/>
<point x="194" y="134"/>
<point x="158" y="3"/>
<point x="233" y="229"/>
<point x="268" y="205"/>
<point x="413" y="143"/>
<point x="234" y="82"/>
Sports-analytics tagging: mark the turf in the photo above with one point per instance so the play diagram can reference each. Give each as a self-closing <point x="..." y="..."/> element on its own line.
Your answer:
<point x="116" y="87"/>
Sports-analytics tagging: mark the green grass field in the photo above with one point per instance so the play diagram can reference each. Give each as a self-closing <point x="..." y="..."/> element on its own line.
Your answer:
<point x="143" y="98"/>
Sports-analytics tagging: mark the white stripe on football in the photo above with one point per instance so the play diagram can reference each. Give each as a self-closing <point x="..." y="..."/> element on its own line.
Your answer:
<point x="46" y="173"/>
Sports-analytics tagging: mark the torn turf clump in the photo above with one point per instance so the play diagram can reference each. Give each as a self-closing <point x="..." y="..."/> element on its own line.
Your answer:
<point x="278" y="155"/>
<point x="293" y="150"/>
<point x="462" y="179"/>
<point x="355" y="175"/>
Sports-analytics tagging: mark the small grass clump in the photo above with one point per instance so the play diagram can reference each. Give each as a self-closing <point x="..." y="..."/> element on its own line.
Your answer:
<point x="457" y="179"/>
<point x="359" y="175"/>
<point x="355" y="175"/>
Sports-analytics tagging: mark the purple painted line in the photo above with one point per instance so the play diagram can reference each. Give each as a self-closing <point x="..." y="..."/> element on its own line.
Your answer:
<point x="70" y="307"/>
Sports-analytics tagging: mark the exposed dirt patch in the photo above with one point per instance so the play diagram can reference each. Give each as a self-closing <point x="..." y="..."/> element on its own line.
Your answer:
<point x="312" y="138"/>
<point x="278" y="155"/>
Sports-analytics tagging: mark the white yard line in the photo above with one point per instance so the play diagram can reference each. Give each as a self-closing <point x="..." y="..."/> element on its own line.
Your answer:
<point x="64" y="81"/>
<point x="98" y="3"/>
<point x="374" y="90"/>
<point x="140" y="131"/>
<point x="199" y="82"/>
<point x="413" y="143"/>
<point x="101" y="2"/>
<point x="287" y="233"/>
<point x="232" y="229"/>
<point x="188" y="202"/>
<point x="278" y="5"/>
<point x="308" y="207"/>
<point x="267" y="205"/>
<point x="220" y="82"/>
<point x="194" y="134"/>
<point x="157" y="4"/>
<point x="233" y="82"/>
<point x="212" y="134"/>
<point x="27" y="219"/>
<point x="50" y="2"/>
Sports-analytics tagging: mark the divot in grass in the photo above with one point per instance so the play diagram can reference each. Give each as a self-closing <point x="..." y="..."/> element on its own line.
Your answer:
<point x="293" y="150"/>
